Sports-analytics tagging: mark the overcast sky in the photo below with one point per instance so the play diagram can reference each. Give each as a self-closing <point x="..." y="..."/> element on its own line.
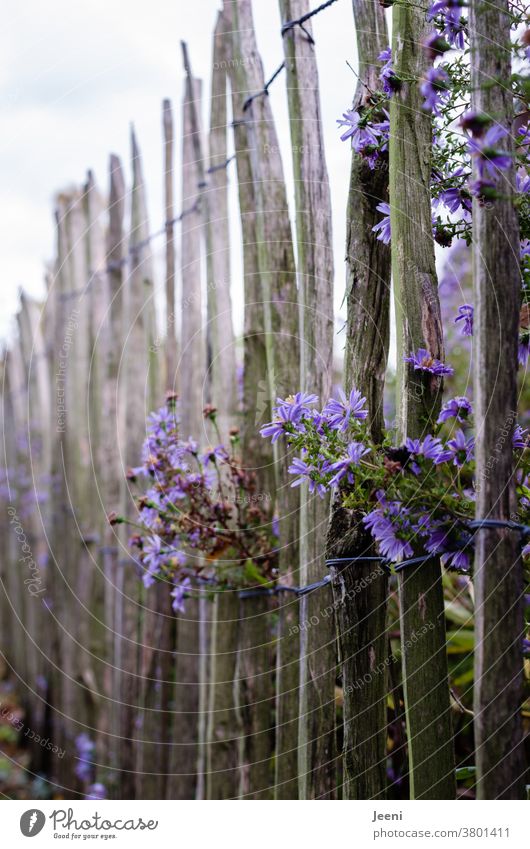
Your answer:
<point x="74" y="75"/>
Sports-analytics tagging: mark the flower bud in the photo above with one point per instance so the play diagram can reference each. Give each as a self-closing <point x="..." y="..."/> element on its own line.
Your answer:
<point x="475" y="122"/>
<point x="114" y="519"/>
<point x="436" y="45"/>
<point x="209" y="412"/>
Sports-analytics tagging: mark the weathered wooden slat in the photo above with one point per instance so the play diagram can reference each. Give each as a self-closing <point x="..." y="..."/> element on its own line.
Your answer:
<point x="498" y="575"/>
<point x="16" y="404"/>
<point x="222" y="735"/>
<point x="418" y="324"/>
<point x="278" y="295"/>
<point x="98" y="297"/>
<point x="152" y="642"/>
<point x="171" y="339"/>
<point x="316" y="731"/>
<point x="55" y="330"/>
<point x="192" y="361"/>
<point x="76" y="561"/>
<point x="254" y="678"/>
<point x="187" y="723"/>
<point x="221" y="341"/>
<point x="188" y="758"/>
<point x="113" y="432"/>
<point x="7" y="618"/>
<point x="360" y="590"/>
<point x="36" y="456"/>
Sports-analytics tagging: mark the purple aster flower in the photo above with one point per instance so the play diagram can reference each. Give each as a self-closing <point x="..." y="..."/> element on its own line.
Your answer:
<point x="159" y="422"/>
<point x="343" y="467"/>
<point x="435" y="89"/>
<point x="97" y="792"/>
<point x="382" y="129"/>
<point x="522" y="183"/>
<point x="483" y="190"/>
<point x="475" y="122"/>
<point x="300" y="399"/>
<point x="489" y="157"/>
<point x="458" y="408"/>
<point x="524" y="132"/>
<point x="435" y="45"/>
<point x="456" y="197"/>
<point x="175" y="493"/>
<point x="178" y="594"/>
<point x="217" y="454"/>
<point x="153" y="558"/>
<point x="85" y="750"/>
<point x="451" y="544"/>
<point x="176" y="556"/>
<point x="422" y="360"/>
<point x="309" y="473"/>
<point x="459" y="449"/>
<point x="441" y="6"/>
<point x="302" y="469"/>
<point x="525" y="646"/>
<point x="149" y="516"/>
<point x="84" y="744"/>
<point x="390" y="535"/>
<point x="382" y="228"/>
<point x="519" y="437"/>
<point x="340" y="412"/>
<point x="429" y="449"/>
<point x="287" y="421"/>
<point x="454" y="29"/>
<point x="523" y="349"/>
<point x="389" y="79"/>
<point x="358" y="130"/>
<point x="465" y="315"/>
<point x="190" y="446"/>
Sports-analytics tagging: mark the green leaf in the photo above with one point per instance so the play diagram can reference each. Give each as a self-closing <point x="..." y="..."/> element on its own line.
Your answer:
<point x="253" y="575"/>
<point x="460" y="642"/>
<point x="464" y="772"/>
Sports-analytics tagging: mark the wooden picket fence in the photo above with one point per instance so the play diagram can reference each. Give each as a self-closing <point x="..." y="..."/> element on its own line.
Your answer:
<point x="252" y="697"/>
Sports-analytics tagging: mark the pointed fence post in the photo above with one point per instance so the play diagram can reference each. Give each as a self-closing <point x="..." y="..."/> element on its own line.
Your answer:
<point x="223" y="728"/>
<point x="17" y="398"/>
<point x="76" y="560"/>
<point x="188" y="756"/>
<point x="360" y="588"/>
<point x="316" y="731"/>
<point x="36" y="415"/>
<point x="152" y="611"/>
<point x="104" y="493"/>
<point x="255" y="676"/>
<point x="114" y="483"/>
<point x="498" y="574"/>
<point x="171" y="339"/>
<point x="221" y="340"/>
<point x="278" y="293"/>
<point x="425" y="672"/>
<point x="59" y="543"/>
